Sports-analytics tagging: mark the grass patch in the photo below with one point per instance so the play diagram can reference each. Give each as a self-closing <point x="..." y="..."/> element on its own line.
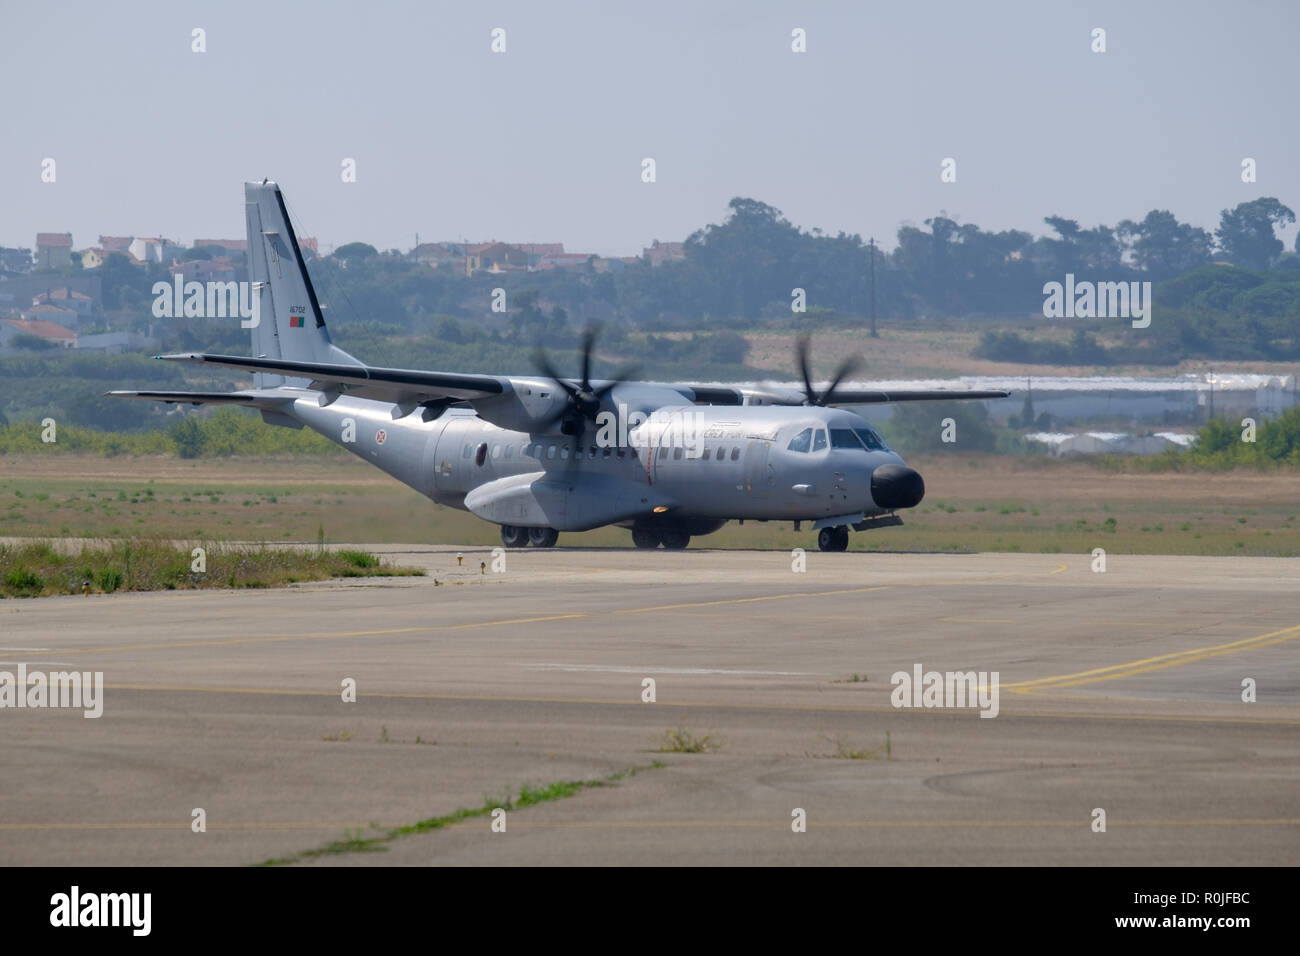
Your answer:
<point x="38" y="568"/>
<point x="844" y="751"/>
<point x="529" y="796"/>
<point x="682" y="741"/>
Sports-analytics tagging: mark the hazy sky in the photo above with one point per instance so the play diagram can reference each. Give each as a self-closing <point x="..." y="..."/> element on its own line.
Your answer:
<point x="545" y="142"/>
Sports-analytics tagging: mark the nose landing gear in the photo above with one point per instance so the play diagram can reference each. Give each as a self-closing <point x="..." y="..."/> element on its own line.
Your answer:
<point x="833" y="539"/>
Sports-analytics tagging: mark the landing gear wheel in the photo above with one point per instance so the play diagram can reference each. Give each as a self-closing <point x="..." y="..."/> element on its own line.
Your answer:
<point x="833" y="539"/>
<point x="543" y="537"/>
<point x="513" y="536"/>
<point x="676" y="540"/>
<point x="645" y="538"/>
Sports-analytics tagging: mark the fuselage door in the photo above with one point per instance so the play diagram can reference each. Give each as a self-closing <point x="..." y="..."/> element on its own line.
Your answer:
<point x="758" y="470"/>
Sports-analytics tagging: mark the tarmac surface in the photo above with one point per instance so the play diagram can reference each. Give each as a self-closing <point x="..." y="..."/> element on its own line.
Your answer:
<point x="1118" y="691"/>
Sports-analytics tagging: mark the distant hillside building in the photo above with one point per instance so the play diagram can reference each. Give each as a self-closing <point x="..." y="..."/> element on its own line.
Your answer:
<point x="16" y="260"/>
<point x="220" y="269"/>
<point x="660" y="252"/>
<point x="51" y="332"/>
<point x="111" y="244"/>
<point x="566" y="260"/>
<point x="53" y="250"/>
<point x="436" y="255"/>
<point x="157" y="250"/>
<point x="495" y="257"/>
<point x="64" y="298"/>
<point x="230" y="245"/>
<point x="537" y="251"/>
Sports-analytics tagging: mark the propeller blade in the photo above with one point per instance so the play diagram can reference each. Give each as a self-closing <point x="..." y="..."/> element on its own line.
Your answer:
<point x="848" y="367"/>
<point x="588" y="344"/>
<point x="544" y="366"/>
<point x="624" y="374"/>
<point x="801" y="355"/>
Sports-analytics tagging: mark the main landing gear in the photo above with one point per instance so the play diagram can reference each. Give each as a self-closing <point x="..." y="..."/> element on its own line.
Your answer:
<point x="512" y="536"/>
<point x="833" y="539"/>
<point x="651" y="538"/>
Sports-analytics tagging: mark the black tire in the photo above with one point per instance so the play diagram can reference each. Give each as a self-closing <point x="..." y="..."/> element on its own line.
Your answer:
<point x="833" y="539"/>
<point x="646" y="538"/>
<point x="513" y="536"/>
<point x="543" y="537"/>
<point x="676" y="540"/>
<point x="842" y="538"/>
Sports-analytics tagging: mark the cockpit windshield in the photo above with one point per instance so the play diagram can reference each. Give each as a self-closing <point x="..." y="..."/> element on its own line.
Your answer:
<point x="869" y="438"/>
<point x="852" y="439"/>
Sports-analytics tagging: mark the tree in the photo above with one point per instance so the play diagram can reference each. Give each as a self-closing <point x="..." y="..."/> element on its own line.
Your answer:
<point x="355" y="252"/>
<point x="1246" y="232"/>
<point x="1163" y="247"/>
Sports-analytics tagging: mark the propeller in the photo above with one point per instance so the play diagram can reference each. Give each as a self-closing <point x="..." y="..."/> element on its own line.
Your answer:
<point x="583" y="399"/>
<point x="847" y="368"/>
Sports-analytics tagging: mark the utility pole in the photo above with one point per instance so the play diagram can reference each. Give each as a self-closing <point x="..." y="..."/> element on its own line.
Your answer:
<point x="872" y="245"/>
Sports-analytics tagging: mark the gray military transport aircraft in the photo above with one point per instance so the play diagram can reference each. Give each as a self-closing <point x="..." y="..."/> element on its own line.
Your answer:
<point x="542" y="454"/>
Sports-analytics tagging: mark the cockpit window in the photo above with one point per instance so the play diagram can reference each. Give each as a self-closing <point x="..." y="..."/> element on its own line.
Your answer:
<point x="819" y="440"/>
<point x="869" y="438"/>
<point x="801" y="441"/>
<point x="844" y="438"/>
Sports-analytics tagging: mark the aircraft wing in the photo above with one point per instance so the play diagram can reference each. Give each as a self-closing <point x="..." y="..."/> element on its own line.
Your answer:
<point x="770" y="395"/>
<point x="856" y="396"/>
<point x="384" y="384"/>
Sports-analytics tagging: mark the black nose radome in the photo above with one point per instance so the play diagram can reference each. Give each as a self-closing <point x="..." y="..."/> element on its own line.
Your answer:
<point x="896" y="486"/>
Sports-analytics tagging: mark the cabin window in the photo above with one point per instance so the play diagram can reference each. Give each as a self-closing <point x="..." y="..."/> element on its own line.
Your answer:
<point x="663" y="452"/>
<point x="677" y="453"/>
<point x="735" y="453"/>
<point x="480" y="455"/>
<point x="605" y="452"/>
<point x="622" y="452"/>
<point x="467" y="451"/>
<point x="509" y="452"/>
<point x="819" y="439"/>
<point x="801" y="441"/>
<point x="496" y="452"/>
<point x="550" y="451"/>
<point x="722" y="453"/>
<point x="564" y="453"/>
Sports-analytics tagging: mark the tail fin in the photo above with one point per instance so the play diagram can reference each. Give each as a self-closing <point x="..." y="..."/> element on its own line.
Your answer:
<point x="290" y="326"/>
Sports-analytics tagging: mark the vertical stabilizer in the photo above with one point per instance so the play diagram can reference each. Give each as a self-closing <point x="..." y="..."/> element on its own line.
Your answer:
<point x="291" y="325"/>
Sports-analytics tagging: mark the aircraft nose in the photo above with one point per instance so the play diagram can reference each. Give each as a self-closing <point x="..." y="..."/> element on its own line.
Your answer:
<point x="896" y="486"/>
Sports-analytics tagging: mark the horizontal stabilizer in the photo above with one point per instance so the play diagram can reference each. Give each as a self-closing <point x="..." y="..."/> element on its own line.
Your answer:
<point x="363" y="381"/>
<point x="254" y="399"/>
